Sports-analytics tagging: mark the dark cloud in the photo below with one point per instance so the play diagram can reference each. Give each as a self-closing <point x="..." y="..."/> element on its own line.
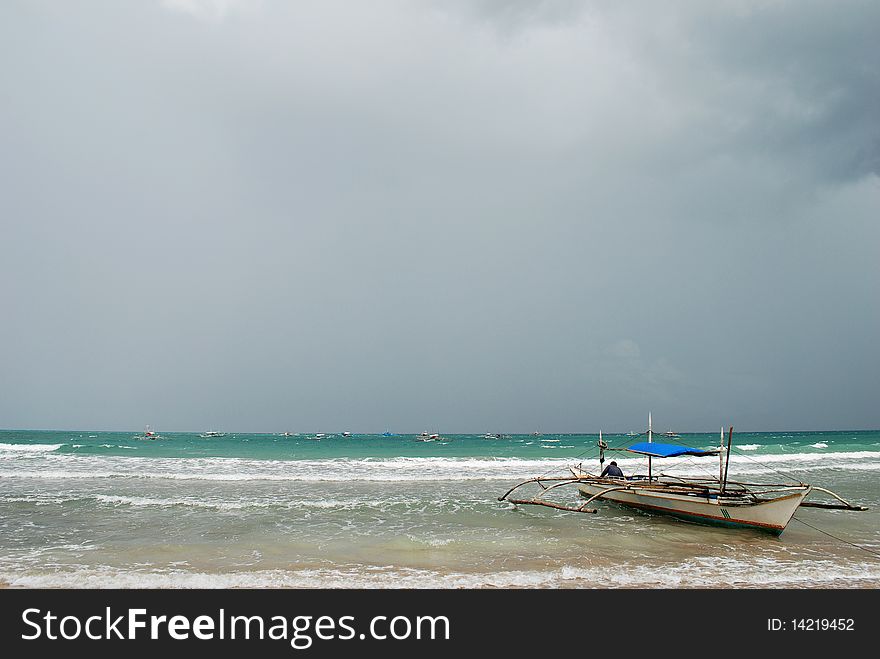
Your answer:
<point x="791" y="83"/>
<point x="469" y="216"/>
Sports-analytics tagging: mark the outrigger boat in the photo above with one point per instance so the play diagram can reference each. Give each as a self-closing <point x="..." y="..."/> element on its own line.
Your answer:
<point x="721" y="502"/>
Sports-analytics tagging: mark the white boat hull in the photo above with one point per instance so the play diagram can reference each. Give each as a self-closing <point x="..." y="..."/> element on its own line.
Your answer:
<point x="770" y="515"/>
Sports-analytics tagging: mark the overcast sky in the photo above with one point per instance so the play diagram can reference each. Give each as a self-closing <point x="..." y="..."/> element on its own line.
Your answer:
<point x="445" y="216"/>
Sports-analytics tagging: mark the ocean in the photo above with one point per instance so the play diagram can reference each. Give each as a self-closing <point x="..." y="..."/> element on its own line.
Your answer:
<point x="91" y="509"/>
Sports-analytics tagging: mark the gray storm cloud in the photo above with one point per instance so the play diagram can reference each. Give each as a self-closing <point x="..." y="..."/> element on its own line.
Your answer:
<point x="460" y="216"/>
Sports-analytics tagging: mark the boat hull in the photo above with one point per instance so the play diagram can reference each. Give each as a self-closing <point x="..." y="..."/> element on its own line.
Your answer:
<point x="771" y="515"/>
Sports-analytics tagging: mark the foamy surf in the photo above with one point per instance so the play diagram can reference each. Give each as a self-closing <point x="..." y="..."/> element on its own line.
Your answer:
<point x="703" y="572"/>
<point x="59" y="466"/>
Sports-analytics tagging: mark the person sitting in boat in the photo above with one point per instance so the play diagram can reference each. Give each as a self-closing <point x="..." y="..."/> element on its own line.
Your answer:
<point x="612" y="471"/>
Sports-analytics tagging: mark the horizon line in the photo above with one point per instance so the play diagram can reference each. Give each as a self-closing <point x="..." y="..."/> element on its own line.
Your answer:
<point x="380" y="432"/>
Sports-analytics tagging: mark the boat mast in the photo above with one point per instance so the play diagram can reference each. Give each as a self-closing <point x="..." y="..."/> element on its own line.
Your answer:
<point x="721" y="458"/>
<point x="650" y="440"/>
<point x="727" y="460"/>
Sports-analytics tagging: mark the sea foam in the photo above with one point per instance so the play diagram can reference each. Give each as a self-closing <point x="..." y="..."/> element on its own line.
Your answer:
<point x="59" y="466"/>
<point x="700" y="572"/>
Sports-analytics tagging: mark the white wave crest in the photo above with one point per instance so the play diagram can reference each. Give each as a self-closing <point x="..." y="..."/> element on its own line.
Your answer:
<point x="349" y="504"/>
<point x="29" y="448"/>
<point x="61" y="466"/>
<point x="238" y="469"/>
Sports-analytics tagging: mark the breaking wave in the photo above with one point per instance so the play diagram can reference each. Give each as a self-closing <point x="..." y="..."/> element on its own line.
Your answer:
<point x="29" y="448"/>
<point x="70" y="466"/>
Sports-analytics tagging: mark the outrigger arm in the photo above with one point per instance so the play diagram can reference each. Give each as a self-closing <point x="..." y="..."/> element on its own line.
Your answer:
<point x="843" y="505"/>
<point x="537" y="501"/>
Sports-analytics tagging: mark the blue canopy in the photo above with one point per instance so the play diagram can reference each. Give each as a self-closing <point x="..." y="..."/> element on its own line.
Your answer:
<point x="667" y="450"/>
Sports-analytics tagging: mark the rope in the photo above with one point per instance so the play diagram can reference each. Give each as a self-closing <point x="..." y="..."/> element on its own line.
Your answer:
<point x="846" y="542"/>
<point x="761" y="464"/>
<point x="580" y="455"/>
<point x="751" y="459"/>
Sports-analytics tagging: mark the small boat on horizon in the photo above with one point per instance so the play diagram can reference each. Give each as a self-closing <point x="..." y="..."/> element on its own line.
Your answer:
<point x="149" y="433"/>
<point x="212" y="433"/>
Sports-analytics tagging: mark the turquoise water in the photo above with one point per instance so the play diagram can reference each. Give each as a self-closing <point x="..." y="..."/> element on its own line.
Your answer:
<point x="304" y="446"/>
<point x="102" y="509"/>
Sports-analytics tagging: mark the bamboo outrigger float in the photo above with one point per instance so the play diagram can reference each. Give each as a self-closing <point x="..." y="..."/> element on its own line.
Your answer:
<point x="721" y="502"/>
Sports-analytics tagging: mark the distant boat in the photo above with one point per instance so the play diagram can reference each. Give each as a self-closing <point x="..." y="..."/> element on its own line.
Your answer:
<point x="346" y="434"/>
<point x="387" y="434"/>
<point x="212" y="433"/>
<point x="149" y="433"/>
<point x="669" y="433"/>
